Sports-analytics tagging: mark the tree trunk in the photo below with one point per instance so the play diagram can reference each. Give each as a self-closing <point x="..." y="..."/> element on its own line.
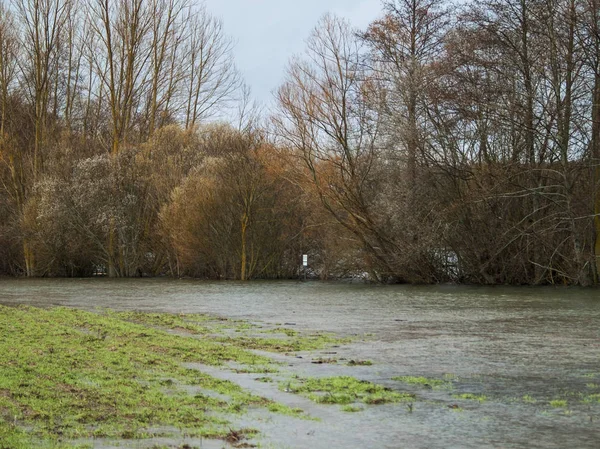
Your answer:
<point x="596" y="168"/>
<point x="244" y="256"/>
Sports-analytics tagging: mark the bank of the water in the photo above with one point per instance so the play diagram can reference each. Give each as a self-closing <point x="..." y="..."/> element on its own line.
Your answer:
<point x="68" y="375"/>
<point x="518" y="367"/>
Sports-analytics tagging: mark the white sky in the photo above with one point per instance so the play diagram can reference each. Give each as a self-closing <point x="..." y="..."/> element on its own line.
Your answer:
<point x="269" y="32"/>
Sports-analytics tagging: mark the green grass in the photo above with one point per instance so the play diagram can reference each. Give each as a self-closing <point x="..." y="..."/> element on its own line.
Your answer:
<point x="256" y="369"/>
<point x="351" y="409"/>
<point x="282" y="330"/>
<point x="285" y="410"/>
<point x="68" y="374"/>
<point x="192" y="323"/>
<point x="424" y="382"/>
<point x="471" y="397"/>
<point x="295" y="343"/>
<point x="265" y="379"/>
<point x="344" y="390"/>
<point x="360" y="363"/>
<point x="558" y="403"/>
<point x="324" y="361"/>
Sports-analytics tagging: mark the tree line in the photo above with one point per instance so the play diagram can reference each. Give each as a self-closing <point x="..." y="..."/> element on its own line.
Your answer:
<point x="442" y="143"/>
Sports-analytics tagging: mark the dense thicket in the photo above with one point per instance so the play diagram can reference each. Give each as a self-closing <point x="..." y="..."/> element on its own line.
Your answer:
<point x="441" y="143"/>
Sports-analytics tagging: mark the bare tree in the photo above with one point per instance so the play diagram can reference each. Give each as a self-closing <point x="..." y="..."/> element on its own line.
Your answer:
<point x="169" y="23"/>
<point x="8" y="62"/>
<point x="123" y="30"/>
<point x="327" y="120"/>
<point x="211" y="78"/>
<point x="591" y="45"/>
<point x="43" y="26"/>
<point x="405" y="44"/>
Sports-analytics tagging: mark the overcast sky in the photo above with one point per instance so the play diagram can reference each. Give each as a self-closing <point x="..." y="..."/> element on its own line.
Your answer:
<point x="268" y="32"/>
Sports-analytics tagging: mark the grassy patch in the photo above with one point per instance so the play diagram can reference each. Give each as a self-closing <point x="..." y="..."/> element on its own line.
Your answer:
<point x="351" y="409"/>
<point x="321" y="361"/>
<point x="296" y="343"/>
<point x="282" y="330"/>
<point x="424" y="382"/>
<point x="471" y="397"/>
<point x="344" y="390"/>
<point x="558" y="403"/>
<point x="196" y="324"/>
<point x="450" y="376"/>
<point x="256" y="369"/>
<point x="360" y="363"/>
<point x="528" y="399"/>
<point x="285" y="410"/>
<point x="69" y="374"/>
<point x="264" y="379"/>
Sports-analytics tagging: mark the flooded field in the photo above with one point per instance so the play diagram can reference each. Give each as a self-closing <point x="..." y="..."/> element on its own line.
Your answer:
<point x="490" y="367"/>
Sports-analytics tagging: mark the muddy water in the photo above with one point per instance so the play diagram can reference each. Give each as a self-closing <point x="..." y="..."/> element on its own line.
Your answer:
<point x="505" y="343"/>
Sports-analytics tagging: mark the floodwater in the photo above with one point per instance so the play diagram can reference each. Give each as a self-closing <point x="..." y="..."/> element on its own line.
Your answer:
<point x="519" y="347"/>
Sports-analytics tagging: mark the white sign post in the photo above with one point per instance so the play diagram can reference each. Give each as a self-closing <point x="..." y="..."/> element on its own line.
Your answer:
<point x="305" y="264"/>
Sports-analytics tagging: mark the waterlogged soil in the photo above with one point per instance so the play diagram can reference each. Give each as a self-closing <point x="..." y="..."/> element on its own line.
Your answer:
<point x="459" y="367"/>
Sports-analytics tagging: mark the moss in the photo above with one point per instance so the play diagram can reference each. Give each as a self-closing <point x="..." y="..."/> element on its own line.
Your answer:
<point x="344" y="390"/>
